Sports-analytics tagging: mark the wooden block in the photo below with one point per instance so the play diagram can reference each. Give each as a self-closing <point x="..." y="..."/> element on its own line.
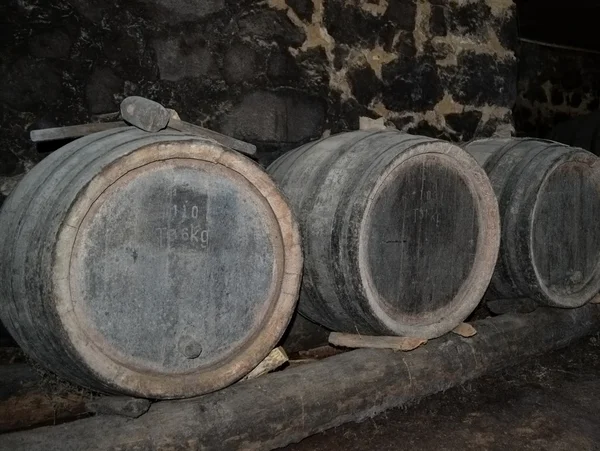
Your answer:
<point x="144" y="114"/>
<point x="274" y="360"/>
<point x="367" y="341"/>
<point x="72" y="131"/>
<point x="227" y="141"/>
<point x="595" y="300"/>
<point x="464" y="330"/>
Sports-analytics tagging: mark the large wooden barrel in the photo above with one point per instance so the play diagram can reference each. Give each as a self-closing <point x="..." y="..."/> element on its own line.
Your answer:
<point x="582" y="131"/>
<point x="549" y="198"/>
<point x="159" y="265"/>
<point x="400" y="232"/>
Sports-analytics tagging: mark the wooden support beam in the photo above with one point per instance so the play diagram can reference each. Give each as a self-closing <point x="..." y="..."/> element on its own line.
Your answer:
<point x="375" y="342"/>
<point x="227" y="141"/>
<point x="287" y="406"/>
<point x="26" y="402"/>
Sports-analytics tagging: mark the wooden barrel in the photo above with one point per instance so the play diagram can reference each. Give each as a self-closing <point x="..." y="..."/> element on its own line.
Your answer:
<point x="549" y="198"/>
<point x="582" y="131"/>
<point x="400" y="232"/>
<point x="158" y="265"/>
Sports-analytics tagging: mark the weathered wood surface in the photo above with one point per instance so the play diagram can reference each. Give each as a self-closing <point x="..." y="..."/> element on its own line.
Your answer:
<point x="375" y="342"/>
<point x="276" y="358"/>
<point x="26" y="400"/>
<point x="124" y="406"/>
<point x="549" y="198"/>
<point x="465" y="330"/>
<point x="144" y="114"/>
<point x="227" y="141"/>
<point x="154" y="265"/>
<point x="287" y="406"/>
<point x="400" y="232"/>
<point x="73" y="131"/>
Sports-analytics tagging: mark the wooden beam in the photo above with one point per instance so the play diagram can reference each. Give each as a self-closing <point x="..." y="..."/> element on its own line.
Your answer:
<point x="26" y="401"/>
<point x="287" y="406"/>
<point x="375" y="342"/>
<point x="227" y="141"/>
<point x="73" y="131"/>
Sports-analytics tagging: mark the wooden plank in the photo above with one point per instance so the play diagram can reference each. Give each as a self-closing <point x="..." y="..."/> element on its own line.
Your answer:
<point x="73" y="131"/>
<point x="375" y="342"/>
<point x="287" y="406"/>
<point x="465" y="330"/>
<point x="274" y="360"/>
<point x="227" y="141"/>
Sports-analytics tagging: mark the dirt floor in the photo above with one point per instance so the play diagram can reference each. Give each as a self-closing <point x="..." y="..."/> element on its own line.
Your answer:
<point x="549" y="403"/>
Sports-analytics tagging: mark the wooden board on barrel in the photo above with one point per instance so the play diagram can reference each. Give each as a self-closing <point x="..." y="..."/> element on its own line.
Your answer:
<point x="154" y="264"/>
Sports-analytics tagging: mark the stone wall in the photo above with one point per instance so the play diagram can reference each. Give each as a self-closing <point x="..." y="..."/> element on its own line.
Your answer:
<point x="276" y="72"/>
<point x="554" y="85"/>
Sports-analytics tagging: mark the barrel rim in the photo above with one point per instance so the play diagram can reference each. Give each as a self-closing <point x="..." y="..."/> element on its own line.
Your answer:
<point x="592" y="285"/>
<point x="203" y="379"/>
<point x="488" y="243"/>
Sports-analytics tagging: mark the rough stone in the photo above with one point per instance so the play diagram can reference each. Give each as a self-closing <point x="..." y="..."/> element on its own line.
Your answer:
<point x="289" y="117"/>
<point x="348" y="24"/>
<point x="557" y="97"/>
<point x="480" y="79"/>
<point x="340" y="54"/>
<point x="121" y="46"/>
<point x="30" y="84"/>
<point x="239" y="63"/>
<point x="303" y="8"/>
<point x="8" y="163"/>
<point x="271" y="25"/>
<point x="575" y="100"/>
<point x="412" y="85"/>
<point x="178" y="58"/>
<point x="470" y="18"/>
<point x="205" y="59"/>
<point x="365" y="84"/>
<point x="537" y="94"/>
<point x="53" y="44"/>
<point x="282" y="68"/>
<point x="437" y="21"/>
<point x="101" y="91"/>
<point x="402" y="13"/>
<point x="93" y="10"/>
<point x="177" y="11"/>
<point x="464" y="124"/>
<point x="403" y="123"/>
<point x="555" y="84"/>
<point x="424" y="128"/>
<point x="507" y="30"/>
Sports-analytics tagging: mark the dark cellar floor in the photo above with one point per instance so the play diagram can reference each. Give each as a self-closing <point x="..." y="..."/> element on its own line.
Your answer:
<point x="549" y="403"/>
